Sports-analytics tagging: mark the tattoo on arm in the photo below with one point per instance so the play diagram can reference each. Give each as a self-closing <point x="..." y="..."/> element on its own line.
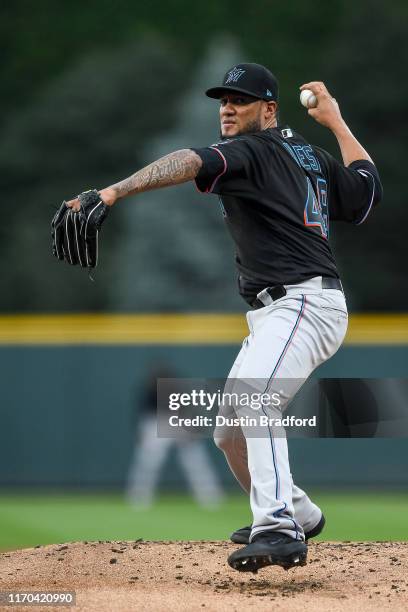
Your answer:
<point x="173" y="169"/>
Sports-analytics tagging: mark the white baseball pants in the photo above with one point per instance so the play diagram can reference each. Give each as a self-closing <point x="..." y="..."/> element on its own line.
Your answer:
<point x="288" y="340"/>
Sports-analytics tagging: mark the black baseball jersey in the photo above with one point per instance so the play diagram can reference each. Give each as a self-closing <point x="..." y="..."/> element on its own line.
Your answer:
<point x="278" y="194"/>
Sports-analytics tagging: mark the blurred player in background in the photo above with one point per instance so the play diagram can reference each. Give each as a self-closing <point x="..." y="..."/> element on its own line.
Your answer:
<point x="151" y="454"/>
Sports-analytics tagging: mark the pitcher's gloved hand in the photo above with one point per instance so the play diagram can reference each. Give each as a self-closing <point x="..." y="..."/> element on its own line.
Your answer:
<point x="75" y="233"/>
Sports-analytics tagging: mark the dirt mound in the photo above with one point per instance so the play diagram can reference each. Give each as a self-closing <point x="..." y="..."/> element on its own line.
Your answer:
<point x="167" y="576"/>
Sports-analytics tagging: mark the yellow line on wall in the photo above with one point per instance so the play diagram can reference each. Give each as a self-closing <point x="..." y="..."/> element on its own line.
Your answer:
<point x="121" y="329"/>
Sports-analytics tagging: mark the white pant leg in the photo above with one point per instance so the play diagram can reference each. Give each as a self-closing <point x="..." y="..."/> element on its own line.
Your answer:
<point x="288" y="340"/>
<point x="231" y="439"/>
<point x="200" y="473"/>
<point x="307" y="514"/>
<point x="149" y="455"/>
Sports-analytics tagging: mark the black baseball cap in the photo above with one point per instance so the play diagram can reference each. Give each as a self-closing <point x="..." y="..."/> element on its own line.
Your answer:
<point x="252" y="79"/>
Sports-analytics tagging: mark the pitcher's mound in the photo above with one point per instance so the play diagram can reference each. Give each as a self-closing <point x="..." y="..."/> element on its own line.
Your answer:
<point x="189" y="576"/>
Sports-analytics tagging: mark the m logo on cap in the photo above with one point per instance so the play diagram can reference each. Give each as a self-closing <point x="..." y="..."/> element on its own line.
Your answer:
<point x="234" y="75"/>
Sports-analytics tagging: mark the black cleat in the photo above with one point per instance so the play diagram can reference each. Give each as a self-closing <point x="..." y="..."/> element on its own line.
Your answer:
<point x="269" y="548"/>
<point x="241" y="536"/>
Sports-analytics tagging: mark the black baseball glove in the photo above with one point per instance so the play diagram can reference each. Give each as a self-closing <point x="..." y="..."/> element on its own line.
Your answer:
<point x="75" y="234"/>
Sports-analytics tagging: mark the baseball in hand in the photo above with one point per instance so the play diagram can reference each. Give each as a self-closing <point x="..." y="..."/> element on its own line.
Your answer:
<point x="308" y="99"/>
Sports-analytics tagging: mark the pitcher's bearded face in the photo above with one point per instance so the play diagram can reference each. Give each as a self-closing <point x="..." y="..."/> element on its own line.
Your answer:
<point x="239" y="114"/>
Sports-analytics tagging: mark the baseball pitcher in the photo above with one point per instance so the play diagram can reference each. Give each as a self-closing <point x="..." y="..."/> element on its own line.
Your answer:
<point x="278" y="194"/>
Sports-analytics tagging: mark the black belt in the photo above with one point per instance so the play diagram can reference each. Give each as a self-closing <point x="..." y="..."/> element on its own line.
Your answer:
<point x="278" y="291"/>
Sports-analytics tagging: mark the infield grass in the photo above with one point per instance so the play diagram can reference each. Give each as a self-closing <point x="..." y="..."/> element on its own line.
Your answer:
<point x="29" y="520"/>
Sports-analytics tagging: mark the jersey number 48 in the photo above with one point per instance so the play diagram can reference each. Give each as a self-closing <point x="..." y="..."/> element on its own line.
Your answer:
<point x="316" y="211"/>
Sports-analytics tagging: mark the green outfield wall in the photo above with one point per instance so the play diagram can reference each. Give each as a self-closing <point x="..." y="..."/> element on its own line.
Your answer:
<point x="69" y="414"/>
